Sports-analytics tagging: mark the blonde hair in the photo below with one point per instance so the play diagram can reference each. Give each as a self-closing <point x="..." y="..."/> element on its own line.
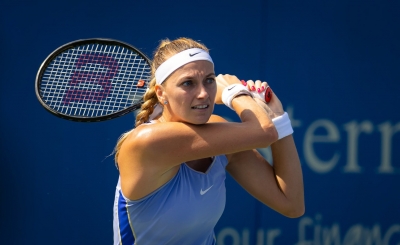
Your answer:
<point x="165" y="50"/>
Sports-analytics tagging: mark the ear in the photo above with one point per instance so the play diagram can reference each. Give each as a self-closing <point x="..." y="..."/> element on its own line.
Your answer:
<point x="160" y="92"/>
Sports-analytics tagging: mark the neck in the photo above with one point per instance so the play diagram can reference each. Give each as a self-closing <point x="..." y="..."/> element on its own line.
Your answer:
<point x="161" y="119"/>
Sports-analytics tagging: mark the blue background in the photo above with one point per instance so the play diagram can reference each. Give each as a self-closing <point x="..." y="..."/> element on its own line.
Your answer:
<point x="335" y="65"/>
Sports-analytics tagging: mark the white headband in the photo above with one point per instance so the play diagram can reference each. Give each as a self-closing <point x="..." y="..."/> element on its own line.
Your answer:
<point x="178" y="60"/>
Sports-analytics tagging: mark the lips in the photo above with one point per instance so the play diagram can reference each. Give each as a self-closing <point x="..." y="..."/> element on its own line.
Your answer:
<point x="200" y="107"/>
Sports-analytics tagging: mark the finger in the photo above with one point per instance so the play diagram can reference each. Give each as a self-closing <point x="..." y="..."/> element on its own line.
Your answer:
<point x="251" y="85"/>
<point x="258" y="86"/>
<point x="264" y="85"/>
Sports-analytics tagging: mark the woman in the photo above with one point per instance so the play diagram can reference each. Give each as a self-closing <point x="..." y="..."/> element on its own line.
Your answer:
<point x="172" y="165"/>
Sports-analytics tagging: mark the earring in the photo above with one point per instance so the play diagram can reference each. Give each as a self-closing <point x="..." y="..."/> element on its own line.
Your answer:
<point x="165" y="102"/>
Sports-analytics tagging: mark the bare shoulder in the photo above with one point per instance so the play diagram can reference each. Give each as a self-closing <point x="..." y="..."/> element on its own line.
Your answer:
<point x="156" y="143"/>
<point x="154" y="136"/>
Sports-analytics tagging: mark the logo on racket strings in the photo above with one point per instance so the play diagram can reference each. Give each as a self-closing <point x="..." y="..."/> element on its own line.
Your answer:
<point x="85" y="82"/>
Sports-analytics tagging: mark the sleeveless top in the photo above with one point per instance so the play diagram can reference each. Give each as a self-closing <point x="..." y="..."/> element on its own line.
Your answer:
<point x="184" y="210"/>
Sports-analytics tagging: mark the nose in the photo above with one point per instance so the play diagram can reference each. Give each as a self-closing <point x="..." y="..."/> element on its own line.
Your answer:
<point x="203" y="92"/>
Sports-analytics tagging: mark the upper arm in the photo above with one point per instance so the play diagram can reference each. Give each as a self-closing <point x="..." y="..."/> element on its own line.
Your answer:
<point x="171" y="143"/>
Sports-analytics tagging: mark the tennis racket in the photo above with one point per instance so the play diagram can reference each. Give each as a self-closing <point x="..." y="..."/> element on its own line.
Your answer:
<point x="93" y="80"/>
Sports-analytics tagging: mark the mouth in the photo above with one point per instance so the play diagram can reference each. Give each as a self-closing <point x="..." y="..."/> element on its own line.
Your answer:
<point x="200" y="107"/>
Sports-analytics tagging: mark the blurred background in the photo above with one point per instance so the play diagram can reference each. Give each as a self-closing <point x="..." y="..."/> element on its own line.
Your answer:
<point x="335" y="65"/>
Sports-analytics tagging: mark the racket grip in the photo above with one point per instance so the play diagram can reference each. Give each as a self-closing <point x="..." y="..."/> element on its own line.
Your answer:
<point x="265" y="95"/>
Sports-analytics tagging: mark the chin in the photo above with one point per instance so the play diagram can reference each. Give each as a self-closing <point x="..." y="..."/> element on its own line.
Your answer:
<point x="197" y="118"/>
<point x="198" y="121"/>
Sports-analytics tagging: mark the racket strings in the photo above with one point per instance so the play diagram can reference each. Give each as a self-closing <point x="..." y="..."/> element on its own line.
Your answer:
<point x="94" y="80"/>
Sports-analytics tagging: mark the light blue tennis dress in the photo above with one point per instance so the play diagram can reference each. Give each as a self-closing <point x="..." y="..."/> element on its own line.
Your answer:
<point x="182" y="211"/>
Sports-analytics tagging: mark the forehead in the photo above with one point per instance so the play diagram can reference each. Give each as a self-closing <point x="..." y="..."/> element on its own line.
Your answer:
<point x="198" y="68"/>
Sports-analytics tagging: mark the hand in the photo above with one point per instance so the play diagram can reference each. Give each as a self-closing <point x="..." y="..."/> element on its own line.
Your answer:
<point x="274" y="107"/>
<point x="224" y="81"/>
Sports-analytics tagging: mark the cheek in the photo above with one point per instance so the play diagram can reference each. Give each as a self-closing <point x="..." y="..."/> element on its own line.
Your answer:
<point x="179" y="100"/>
<point x="212" y="93"/>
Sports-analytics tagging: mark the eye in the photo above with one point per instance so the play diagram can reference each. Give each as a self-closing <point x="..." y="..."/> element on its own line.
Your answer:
<point x="210" y="80"/>
<point x="187" y="83"/>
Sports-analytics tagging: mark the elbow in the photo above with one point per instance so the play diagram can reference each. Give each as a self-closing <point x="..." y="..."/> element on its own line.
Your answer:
<point x="295" y="212"/>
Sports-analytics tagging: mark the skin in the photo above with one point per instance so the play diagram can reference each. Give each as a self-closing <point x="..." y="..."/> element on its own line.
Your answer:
<point x="189" y="89"/>
<point x="147" y="159"/>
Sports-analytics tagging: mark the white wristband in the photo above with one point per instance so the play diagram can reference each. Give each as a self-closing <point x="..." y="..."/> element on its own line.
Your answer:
<point x="283" y="125"/>
<point x="233" y="90"/>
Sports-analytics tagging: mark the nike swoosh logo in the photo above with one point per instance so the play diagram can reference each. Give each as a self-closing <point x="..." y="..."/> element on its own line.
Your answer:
<point x="205" y="191"/>
<point x="194" y="54"/>
<point x="229" y="89"/>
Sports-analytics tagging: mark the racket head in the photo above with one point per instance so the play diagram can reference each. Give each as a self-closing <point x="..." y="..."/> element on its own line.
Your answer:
<point x="93" y="80"/>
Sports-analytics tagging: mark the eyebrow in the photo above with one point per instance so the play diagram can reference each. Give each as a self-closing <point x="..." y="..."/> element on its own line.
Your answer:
<point x="190" y="76"/>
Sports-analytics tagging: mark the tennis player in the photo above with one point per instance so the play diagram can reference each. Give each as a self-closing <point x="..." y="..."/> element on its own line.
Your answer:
<point x="172" y="165"/>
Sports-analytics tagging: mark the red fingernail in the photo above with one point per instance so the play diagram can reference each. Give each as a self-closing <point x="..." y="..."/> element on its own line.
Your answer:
<point x="262" y="88"/>
<point x="259" y="90"/>
<point x="244" y="82"/>
<point x="253" y="88"/>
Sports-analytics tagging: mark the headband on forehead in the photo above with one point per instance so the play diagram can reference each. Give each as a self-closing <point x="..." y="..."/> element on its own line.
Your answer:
<point x="178" y="60"/>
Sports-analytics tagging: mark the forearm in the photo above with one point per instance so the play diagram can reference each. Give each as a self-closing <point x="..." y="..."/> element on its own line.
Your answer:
<point x="289" y="177"/>
<point x="254" y="117"/>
